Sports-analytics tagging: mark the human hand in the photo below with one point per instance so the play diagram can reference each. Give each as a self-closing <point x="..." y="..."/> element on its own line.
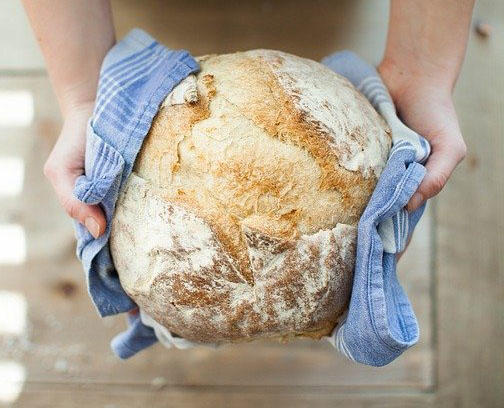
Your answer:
<point x="74" y="37"/>
<point x="427" y="107"/>
<point x="66" y="163"/>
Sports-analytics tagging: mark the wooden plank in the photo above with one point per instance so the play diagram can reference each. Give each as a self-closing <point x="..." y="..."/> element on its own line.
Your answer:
<point x="67" y="342"/>
<point x="131" y="396"/>
<point x="65" y="331"/>
<point x="471" y="232"/>
<point x="310" y="29"/>
<point x="64" y="350"/>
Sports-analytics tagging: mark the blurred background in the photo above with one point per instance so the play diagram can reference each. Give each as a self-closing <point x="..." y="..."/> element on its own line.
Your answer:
<point x="54" y="349"/>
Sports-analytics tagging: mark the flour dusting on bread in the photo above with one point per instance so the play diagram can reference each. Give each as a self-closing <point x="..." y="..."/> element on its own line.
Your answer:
<point x="239" y="219"/>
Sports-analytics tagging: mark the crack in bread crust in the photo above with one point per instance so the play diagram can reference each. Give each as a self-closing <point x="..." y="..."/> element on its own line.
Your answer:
<point x="193" y="288"/>
<point x="272" y="178"/>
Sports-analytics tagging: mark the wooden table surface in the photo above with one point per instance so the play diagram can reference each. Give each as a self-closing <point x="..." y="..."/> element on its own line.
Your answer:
<point x="54" y="349"/>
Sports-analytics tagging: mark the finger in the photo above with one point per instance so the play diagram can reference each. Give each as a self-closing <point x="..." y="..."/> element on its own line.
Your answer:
<point x="440" y="166"/>
<point x="91" y="216"/>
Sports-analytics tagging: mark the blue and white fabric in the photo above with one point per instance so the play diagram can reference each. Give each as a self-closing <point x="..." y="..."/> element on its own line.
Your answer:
<point x="380" y="323"/>
<point x="137" y="74"/>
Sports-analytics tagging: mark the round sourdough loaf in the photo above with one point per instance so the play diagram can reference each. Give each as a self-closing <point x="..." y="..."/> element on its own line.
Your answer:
<point x="239" y="219"/>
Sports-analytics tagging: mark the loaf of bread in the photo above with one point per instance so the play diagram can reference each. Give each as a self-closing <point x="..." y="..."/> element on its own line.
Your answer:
<point x="239" y="219"/>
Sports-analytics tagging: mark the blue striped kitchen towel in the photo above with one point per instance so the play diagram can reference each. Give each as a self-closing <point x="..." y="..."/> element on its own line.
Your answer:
<point x="136" y="75"/>
<point x="380" y="323"/>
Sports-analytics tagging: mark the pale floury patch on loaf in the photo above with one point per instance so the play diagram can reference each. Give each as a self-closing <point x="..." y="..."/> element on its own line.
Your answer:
<point x="330" y="102"/>
<point x="298" y="286"/>
<point x="239" y="220"/>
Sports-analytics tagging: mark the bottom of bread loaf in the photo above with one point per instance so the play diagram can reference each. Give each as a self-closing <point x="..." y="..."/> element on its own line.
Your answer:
<point x="172" y="265"/>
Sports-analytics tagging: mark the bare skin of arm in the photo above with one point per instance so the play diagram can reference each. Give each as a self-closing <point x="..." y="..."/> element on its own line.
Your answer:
<point x="425" y="49"/>
<point x="74" y="36"/>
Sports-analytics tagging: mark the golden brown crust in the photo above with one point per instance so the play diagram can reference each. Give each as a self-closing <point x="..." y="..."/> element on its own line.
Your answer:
<point x="277" y="113"/>
<point x="260" y="168"/>
<point x="301" y="287"/>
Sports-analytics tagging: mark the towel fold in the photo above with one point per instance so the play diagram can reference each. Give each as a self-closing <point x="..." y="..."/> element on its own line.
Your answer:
<point x="380" y="323"/>
<point x="137" y="74"/>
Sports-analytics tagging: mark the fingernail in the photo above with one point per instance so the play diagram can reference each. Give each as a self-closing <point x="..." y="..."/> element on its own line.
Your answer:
<point x="415" y="201"/>
<point x="92" y="226"/>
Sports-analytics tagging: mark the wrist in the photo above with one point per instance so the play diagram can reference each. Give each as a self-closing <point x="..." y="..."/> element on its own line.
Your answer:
<point x="403" y="79"/>
<point x="79" y="112"/>
<point x="77" y="97"/>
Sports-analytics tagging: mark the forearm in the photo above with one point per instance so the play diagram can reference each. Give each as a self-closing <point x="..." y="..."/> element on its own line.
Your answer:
<point x="427" y="40"/>
<point x="425" y="49"/>
<point x="74" y="36"/>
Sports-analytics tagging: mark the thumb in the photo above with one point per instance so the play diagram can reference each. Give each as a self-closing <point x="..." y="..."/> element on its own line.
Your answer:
<point x="91" y="216"/>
